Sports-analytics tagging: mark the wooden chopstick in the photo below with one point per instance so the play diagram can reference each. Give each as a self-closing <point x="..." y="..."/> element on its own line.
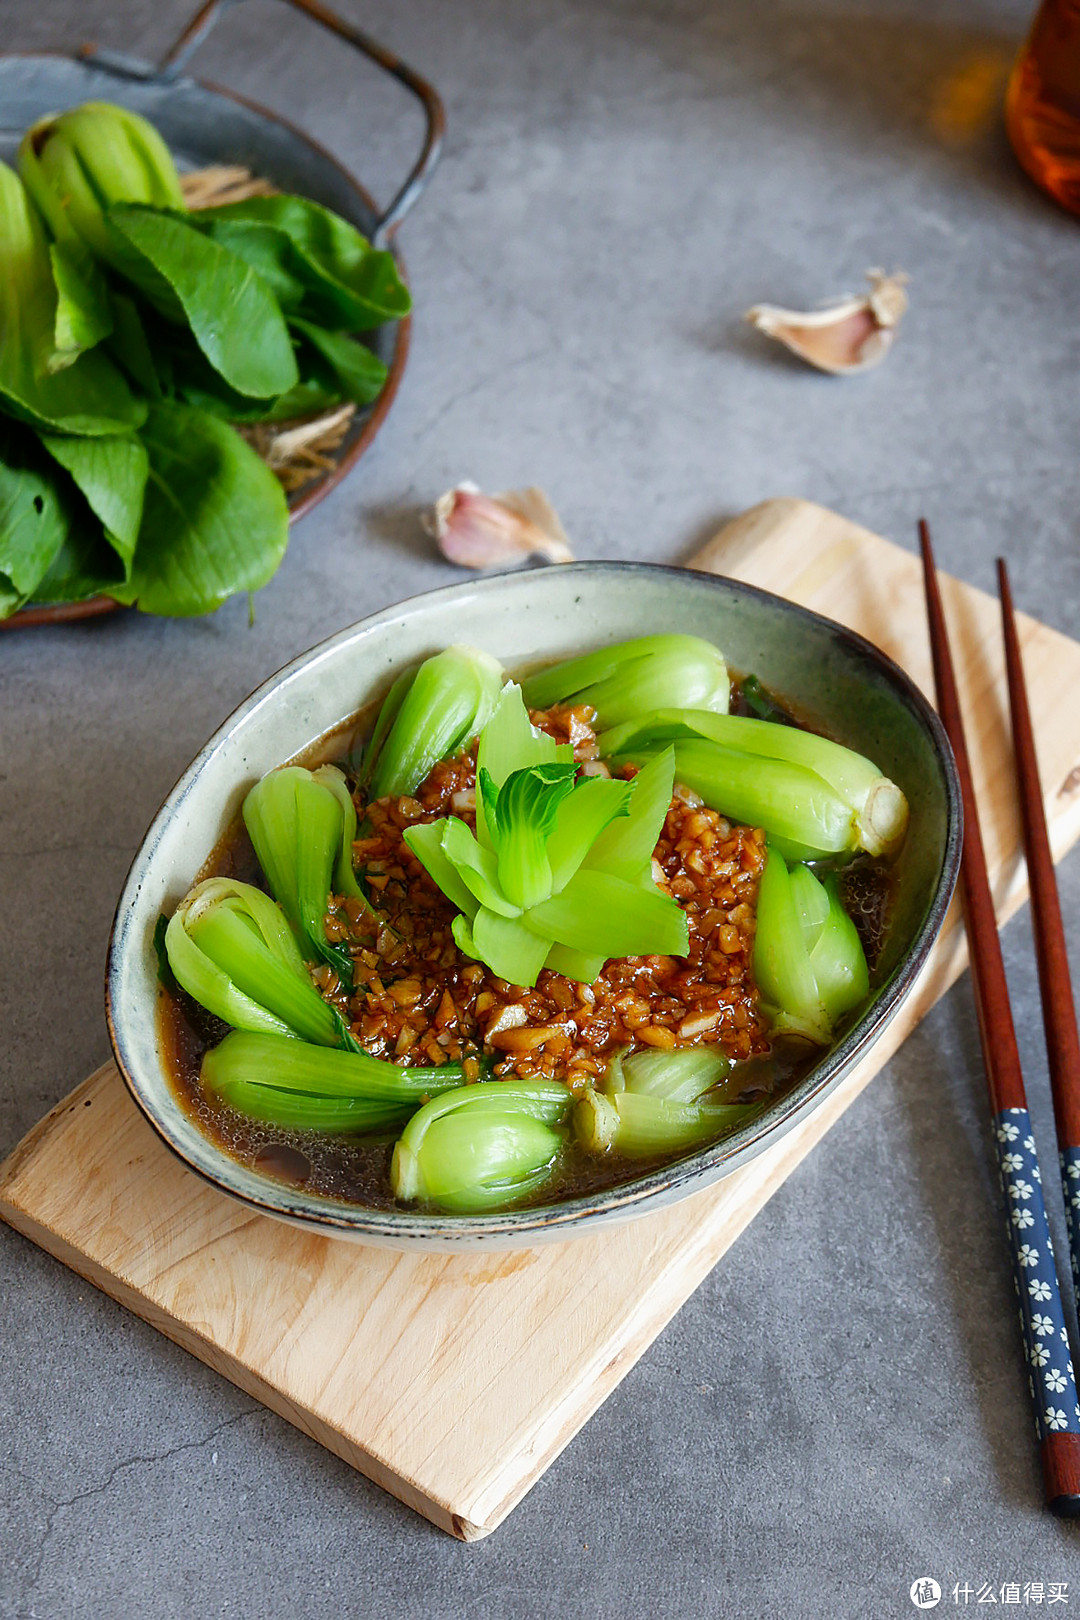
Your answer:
<point x="1042" y="1316"/>
<point x="1055" y="982"/>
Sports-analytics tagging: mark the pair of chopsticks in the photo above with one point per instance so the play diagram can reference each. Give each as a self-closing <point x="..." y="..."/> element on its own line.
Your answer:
<point x="1042" y="1316"/>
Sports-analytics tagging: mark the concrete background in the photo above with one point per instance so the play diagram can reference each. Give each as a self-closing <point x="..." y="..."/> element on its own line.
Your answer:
<point x="841" y="1408"/>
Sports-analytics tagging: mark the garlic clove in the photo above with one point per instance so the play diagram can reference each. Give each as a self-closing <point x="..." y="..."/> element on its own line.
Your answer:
<point x="476" y="530"/>
<point x="850" y="335"/>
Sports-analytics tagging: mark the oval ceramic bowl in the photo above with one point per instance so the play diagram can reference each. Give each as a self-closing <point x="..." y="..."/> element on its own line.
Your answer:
<point x="837" y="678"/>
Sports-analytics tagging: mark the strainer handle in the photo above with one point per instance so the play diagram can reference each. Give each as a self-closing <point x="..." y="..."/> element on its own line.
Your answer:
<point x="177" y="56"/>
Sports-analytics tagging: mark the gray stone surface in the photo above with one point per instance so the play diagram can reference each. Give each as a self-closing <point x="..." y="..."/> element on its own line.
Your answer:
<point x="842" y="1406"/>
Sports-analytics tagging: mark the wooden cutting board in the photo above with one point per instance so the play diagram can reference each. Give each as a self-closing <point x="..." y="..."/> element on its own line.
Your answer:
<point x="454" y="1382"/>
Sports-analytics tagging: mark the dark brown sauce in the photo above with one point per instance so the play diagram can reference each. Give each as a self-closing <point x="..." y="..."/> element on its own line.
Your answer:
<point x="356" y="1170"/>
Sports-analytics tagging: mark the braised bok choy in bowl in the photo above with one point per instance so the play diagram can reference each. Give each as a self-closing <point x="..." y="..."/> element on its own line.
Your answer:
<point x="534" y="903"/>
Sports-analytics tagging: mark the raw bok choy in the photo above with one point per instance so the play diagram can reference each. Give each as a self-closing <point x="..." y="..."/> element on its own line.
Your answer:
<point x="132" y="333"/>
<point x="558" y="871"/>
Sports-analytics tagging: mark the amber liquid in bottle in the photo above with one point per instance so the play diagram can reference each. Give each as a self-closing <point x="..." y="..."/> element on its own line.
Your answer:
<point x="1042" y="106"/>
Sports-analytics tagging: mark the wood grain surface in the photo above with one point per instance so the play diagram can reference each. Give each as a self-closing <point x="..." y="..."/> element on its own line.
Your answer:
<point x="454" y="1382"/>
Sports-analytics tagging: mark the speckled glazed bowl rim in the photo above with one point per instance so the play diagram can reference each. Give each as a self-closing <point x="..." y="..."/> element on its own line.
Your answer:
<point x="655" y="1189"/>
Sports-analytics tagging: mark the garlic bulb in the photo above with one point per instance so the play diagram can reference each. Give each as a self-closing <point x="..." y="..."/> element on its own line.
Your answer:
<point x="476" y="530"/>
<point x="847" y="336"/>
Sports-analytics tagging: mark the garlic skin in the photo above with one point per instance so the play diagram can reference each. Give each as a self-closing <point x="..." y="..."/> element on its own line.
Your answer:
<point x="476" y="530"/>
<point x="848" y="336"/>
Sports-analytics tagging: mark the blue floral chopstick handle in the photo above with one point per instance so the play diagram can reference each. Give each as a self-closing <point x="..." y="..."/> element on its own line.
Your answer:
<point x="1042" y="1317"/>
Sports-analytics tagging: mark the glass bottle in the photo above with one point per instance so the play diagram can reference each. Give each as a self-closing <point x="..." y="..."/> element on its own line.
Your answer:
<point x="1042" y="104"/>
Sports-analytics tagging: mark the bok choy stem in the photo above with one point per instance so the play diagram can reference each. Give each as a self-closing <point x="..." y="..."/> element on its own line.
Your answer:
<point x="301" y="1087"/>
<point x="800" y="812"/>
<point x="437" y="710"/>
<point x="302" y="825"/>
<point x="875" y="806"/>
<point x="642" y="1125"/>
<point x="231" y="948"/>
<point x="76" y="164"/>
<point x="809" y="963"/>
<point x="622" y="682"/>
<point x="679" y="1076"/>
<point x="481" y="1147"/>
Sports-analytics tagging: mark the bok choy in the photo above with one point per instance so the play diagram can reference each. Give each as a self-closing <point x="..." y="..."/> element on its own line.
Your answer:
<point x="875" y="809"/>
<point x="481" y="1147"/>
<point x="300" y="1087"/>
<point x="681" y="1076"/>
<point x="302" y="824"/>
<point x="622" y="682"/>
<point x="551" y="876"/>
<point x="642" y="1125"/>
<point x="429" y="713"/>
<point x="88" y="396"/>
<point x="153" y="330"/>
<point x="808" y="959"/>
<point x="655" y="1103"/>
<point x="76" y="164"/>
<point x="231" y="948"/>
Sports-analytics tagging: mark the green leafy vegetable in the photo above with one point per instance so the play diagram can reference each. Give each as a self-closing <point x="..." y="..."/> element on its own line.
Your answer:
<point x="521" y="817"/>
<point x="481" y="1147"/>
<point x="633" y="677"/>
<point x="301" y="1087"/>
<point x="215" y="521"/>
<point x="120" y="311"/>
<point x="336" y="365"/>
<point x="604" y="915"/>
<point x="625" y="848"/>
<point x="874" y="808"/>
<point x="34" y="517"/>
<point x="679" y="1076"/>
<point x="525" y="894"/>
<point x="130" y="347"/>
<point x="53" y="546"/>
<point x="643" y="1125"/>
<point x="110" y="473"/>
<point x="83" y="315"/>
<point x="510" y="742"/>
<point x="89" y="395"/>
<point x="332" y="368"/>
<point x="328" y="776"/>
<point x="77" y="164"/>
<point x="232" y="949"/>
<point x="86" y="565"/>
<point x="801" y="813"/>
<point x="435" y="710"/>
<point x="302" y="829"/>
<point x="233" y="316"/>
<point x="809" y="963"/>
<point x="319" y="265"/>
